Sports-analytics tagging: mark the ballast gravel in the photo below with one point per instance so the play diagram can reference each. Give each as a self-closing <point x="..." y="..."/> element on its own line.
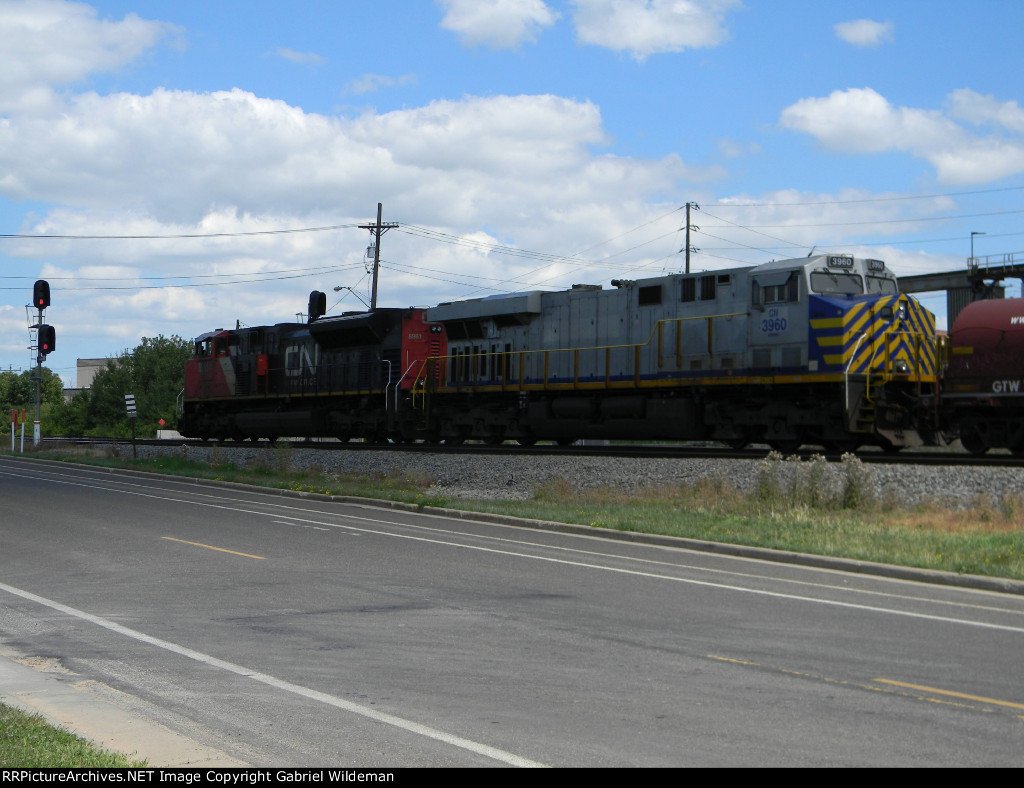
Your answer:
<point x="480" y="475"/>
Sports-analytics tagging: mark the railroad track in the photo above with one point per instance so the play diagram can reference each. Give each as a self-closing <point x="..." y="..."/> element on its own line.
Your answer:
<point x="938" y="457"/>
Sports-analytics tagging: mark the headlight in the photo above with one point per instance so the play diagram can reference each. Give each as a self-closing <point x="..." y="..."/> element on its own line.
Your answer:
<point x="901" y="313"/>
<point x="901" y="368"/>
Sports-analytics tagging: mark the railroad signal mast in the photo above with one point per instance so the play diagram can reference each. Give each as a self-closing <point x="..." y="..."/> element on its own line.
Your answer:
<point x="46" y="342"/>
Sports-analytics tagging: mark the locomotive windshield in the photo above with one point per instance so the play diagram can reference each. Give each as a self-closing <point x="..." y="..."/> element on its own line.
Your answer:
<point x="882" y="284"/>
<point x="837" y="283"/>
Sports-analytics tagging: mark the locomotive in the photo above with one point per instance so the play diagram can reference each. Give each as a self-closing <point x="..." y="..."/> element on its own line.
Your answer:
<point x="820" y="350"/>
<point x="983" y="389"/>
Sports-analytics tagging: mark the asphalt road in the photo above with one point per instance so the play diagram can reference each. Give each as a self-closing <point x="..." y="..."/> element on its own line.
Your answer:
<point x="292" y="632"/>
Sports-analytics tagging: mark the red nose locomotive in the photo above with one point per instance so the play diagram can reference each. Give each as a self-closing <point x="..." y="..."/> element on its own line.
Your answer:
<point x="337" y="376"/>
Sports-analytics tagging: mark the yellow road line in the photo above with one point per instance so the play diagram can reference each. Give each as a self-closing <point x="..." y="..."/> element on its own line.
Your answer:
<point x="211" y="547"/>
<point x="952" y="694"/>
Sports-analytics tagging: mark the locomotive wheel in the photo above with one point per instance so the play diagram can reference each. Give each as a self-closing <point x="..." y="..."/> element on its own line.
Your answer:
<point x="971" y="440"/>
<point x="889" y="448"/>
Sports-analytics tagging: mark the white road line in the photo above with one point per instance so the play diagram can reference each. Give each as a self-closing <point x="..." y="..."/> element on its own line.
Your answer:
<point x="565" y="549"/>
<point x="296" y="689"/>
<point x="566" y="562"/>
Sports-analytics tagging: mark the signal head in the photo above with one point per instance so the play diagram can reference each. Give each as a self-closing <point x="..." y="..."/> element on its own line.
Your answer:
<point x="41" y="294"/>
<point x="47" y="340"/>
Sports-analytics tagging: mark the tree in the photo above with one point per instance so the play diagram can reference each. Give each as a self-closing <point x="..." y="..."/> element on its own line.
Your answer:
<point x="18" y="390"/>
<point x="154" y="372"/>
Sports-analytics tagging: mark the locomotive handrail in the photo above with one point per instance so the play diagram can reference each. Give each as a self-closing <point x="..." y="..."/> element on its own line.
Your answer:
<point x="656" y="332"/>
<point x="846" y="372"/>
<point x="398" y="385"/>
<point x="874" y="376"/>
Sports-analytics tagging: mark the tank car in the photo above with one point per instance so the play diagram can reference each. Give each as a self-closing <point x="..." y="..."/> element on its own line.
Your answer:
<point x="983" y="389"/>
<point x="821" y="350"/>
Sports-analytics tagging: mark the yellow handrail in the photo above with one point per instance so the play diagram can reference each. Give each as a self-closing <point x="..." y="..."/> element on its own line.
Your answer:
<point x="656" y="333"/>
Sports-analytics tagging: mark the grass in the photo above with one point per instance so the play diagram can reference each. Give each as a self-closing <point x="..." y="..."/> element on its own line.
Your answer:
<point x="811" y="506"/>
<point x="27" y="741"/>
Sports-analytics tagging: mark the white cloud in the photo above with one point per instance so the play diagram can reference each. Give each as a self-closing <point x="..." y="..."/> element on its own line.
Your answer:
<point x="369" y="83"/>
<point x="528" y="168"/>
<point x="176" y="154"/>
<point x="864" y="32"/>
<point x="976" y="109"/>
<point x="47" y="43"/>
<point x="647" y="27"/>
<point x="501" y="24"/>
<point x="860" y="120"/>
<point x="302" y="58"/>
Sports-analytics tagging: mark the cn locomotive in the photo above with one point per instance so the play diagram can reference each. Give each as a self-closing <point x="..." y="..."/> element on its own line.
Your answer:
<point x="820" y="350"/>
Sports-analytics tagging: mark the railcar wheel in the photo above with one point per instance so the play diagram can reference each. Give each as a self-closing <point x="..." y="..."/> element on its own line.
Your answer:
<point x="736" y="444"/>
<point x="566" y="441"/>
<point x="786" y="446"/>
<point x="530" y="441"/>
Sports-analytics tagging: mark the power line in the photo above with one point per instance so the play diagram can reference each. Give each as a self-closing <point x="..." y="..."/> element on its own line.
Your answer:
<point x="866" y="199"/>
<point x="881" y="221"/>
<point x="199" y="284"/>
<point x="174" y="236"/>
<point x="182" y="276"/>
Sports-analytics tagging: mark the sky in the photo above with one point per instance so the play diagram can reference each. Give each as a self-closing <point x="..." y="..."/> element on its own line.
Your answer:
<point x="172" y="168"/>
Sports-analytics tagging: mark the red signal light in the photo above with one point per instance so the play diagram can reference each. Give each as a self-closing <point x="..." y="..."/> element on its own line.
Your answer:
<point x="47" y="339"/>
<point x="41" y="294"/>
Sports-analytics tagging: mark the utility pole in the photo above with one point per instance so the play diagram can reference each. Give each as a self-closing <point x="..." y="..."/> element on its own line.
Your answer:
<point x="688" y="228"/>
<point x="377" y="230"/>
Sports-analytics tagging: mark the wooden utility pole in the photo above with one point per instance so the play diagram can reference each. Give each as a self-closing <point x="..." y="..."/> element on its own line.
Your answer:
<point x="377" y="230"/>
<point x="688" y="228"/>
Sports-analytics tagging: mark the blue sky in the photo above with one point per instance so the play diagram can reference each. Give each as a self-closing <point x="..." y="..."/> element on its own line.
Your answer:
<point x="519" y="143"/>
